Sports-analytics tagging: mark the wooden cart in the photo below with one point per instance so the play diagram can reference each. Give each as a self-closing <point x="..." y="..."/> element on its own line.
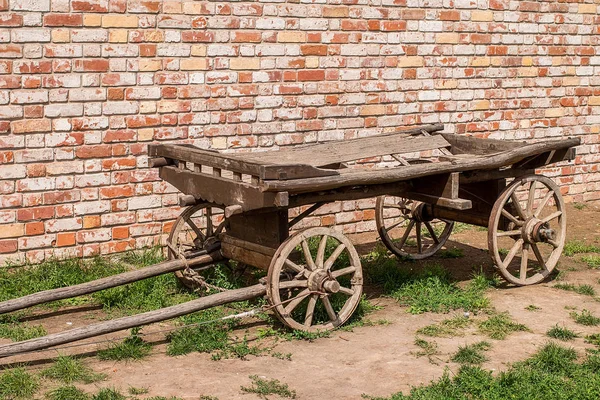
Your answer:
<point x="424" y="180"/>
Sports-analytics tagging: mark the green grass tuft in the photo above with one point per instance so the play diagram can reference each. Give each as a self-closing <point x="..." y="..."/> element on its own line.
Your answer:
<point x="239" y="350"/>
<point x="499" y="326"/>
<point x="132" y="347"/>
<point x="593" y="260"/>
<point x="454" y="252"/>
<point x="584" y="289"/>
<point x="578" y="247"/>
<point x="67" y="393"/>
<point x="18" y="384"/>
<point x="263" y="387"/>
<point x="585" y="318"/>
<point x="471" y="354"/>
<point x="109" y="394"/>
<point x="68" y="370"/>
<point x="561" y="333"/>
<point x="18" y="331"/>
<point x="446" y="328"/>
<point x="428" y="349"/>
<point x="553" y="358"/>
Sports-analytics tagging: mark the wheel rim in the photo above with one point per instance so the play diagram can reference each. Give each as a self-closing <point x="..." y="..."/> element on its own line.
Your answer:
<point x="193" y="233"/>
<point x="527" y="230"/>
<point x="317" y="289"/>
<point x="406" y="232"/>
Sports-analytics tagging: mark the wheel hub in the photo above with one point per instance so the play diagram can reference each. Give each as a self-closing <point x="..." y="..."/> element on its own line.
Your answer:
<point x="535" y="230"/>
<point x="421" y="213"/>
<point x="321" y="281"/>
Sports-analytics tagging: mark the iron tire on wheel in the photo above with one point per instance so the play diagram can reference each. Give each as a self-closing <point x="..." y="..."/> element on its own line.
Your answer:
<point x="408" y="210"/>
<point x="315" y="281"/>
<point x="536" y="231"/>
<point x="201" y="237"/>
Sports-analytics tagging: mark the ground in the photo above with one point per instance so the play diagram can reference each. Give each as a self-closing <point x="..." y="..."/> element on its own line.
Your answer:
<point x="378" y="359"/>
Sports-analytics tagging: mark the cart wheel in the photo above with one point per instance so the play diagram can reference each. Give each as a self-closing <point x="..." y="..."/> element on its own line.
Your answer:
<point x="532" y="213"/>
<point x="194" y="233"/>
<point x="407" y="231"/>
<point x="315" y="289"/>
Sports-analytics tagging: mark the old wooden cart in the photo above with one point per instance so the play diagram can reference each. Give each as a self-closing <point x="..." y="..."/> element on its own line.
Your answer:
<point x="424" y="180"/>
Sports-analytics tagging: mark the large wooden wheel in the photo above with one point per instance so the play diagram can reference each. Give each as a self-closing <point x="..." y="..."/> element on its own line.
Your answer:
<point x="193" y="234"/>
<point x="407" y="231"/>
<point x="315" y="280"/>
<point x="527" y="229"/>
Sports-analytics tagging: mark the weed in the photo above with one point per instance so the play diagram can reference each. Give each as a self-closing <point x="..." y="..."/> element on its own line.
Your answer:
<point x="532" y="307"/>
<point x="471" y="354"/>
<point x="553" y="358"/>
<point x="109" y="394"/>
<point x="18" y="384"/>
<point x="18" y="332"/>
<point x="132" y="347"/>
<point x="282" y="356"/>
<point x="581" y="289"/>
<point x="499" y="326"/>
<point x="446" y="328"/>
<point x="205" y="336"/>
<point x="454" y="252"/>
<point x="579" y="206"/>
<point x="166" y="398"/>
<point x="239" y="350"/>
<point x="433" y="291"/>
<point x="593" y="260"/>
<point x="428" y="349"/>
<point x="204" y="397"/>
<point x="145" y="257"/>
<point x="135" y="391"/>
<point x="67" y="393"/>
<point x="293" y="334"/>
<point x="68" y="370"/>
<point x="593" y="339"/>
<point x="461" y="227"/>
<point x="502" y="252"/>
<point x="578" y="247"/>
<point x="585" y="318"/>
<point x="263" y="388"/>
<point x="560" y="333"/>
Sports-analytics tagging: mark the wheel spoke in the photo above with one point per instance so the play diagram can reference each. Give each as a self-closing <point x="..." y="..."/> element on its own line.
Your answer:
<point x="346" y="291"/>
<point x="512" y="253"/>
<point x="296" y="300"/>
<point x="418" y="231"/>
<point x="509" y="233"/>
<point x="531" y="198"/>
<point x="396" y="206"/>
<point x="209" y="224"/>
<point x="517" y="206"/>
<point x="524" y="262"/>
<point x="329" y="308"/>
<point x="307" y="256"/>
<point x="552" y="216"/>
<point x="321" y="252"/>
<point x="344" y="271"/>
<point x="511" y="218"/>
<point x="432" y="233"/>
<point x="310" y="310"/>
<point x="538" y="255"/>
<point x="553" y="243"/>
<point x="296" y="283"/>
<point x="334" y="256"/>
<point x="195" y="228"/>
<point x="395" y="225"/>
<point x="294" y="266"/>
<point x="543" y="203"/>
<point x="406" y="233"/>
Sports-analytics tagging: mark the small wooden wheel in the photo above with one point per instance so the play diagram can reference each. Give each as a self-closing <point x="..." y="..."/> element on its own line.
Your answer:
<point x="407" y="231"/>
<point x="315" y="280"/>
<point x="527" y="229"/>
<point x="193" y="234"/>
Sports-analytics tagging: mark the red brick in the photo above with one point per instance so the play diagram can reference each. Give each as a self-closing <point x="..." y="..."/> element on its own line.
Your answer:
<point x="246" y="37"/>
<point x="63" y="20"/>
<point x="11" y="20"/>
<point x="91" y="65"/>
<point x="311" y="75"/>
<point x="93" y="151"/>
<point x="8" y="246"/>
<point x="34" y="228"/>
<point x="65" y="239"/>
<point x="120" y="232"/>
<point x="313" y="50"/>
<point x="35" y="213"/>
<point x="116" y="192"/>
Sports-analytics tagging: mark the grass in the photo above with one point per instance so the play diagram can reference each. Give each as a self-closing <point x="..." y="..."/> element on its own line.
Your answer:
<point x="69" y="392"/>
<point x="239" y="350"/>
<point x="499" y="326"/>
<point x="263" y="388"/>
<point x="282" y="356"/>
<point x="592" y="260"/>
<point x="585" y="318"/>
<point x="471" y="354"/>
<point x="584" y="289"/>
<point x="137" y="391"/>
<point x="577" y="247"/>
<point x="428" y="349"/>
<point x="18" y="331"/>
<point x="552" y="373"/>
<point x="579" y="206"/>
<point x="561" y="333"/>
<point x="17" y="384"/>
<point x="454" y="252"/>
<point x="132" y="347"/>
<point x="109" y="394"/>
<point x="532" y="307"/>
<point x="446" y="328"/>
<point x="593" y="339"/>
<point x="68" y="369"/>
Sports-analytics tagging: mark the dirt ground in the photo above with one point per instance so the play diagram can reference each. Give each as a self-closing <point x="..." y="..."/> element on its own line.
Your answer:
<point x="375" y="360"/>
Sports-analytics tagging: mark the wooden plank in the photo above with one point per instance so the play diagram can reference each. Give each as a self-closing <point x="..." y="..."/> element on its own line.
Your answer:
<point x="146" y="318"/>
<point x="218" y="190"/>
<point x="265" y="227"/>
<point x="247" y="252"/>
<point x="456" y="204"/>
<point x="357" y="176"/>
<point x="462" y="144"/>
<point x="322" y="154"/>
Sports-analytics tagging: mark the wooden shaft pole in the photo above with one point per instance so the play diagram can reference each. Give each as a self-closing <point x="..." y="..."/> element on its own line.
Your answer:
<point x="150" y="317"/>
<point x="104" y="283"/>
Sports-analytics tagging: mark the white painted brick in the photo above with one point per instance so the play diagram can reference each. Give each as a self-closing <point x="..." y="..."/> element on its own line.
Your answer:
<point x="30" y="5"/>
<point x="92" y="207"/>
<point x="137" y="203"/>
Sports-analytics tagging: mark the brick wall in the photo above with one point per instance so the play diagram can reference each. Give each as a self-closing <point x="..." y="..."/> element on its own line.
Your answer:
<point x="85" y="85"/>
